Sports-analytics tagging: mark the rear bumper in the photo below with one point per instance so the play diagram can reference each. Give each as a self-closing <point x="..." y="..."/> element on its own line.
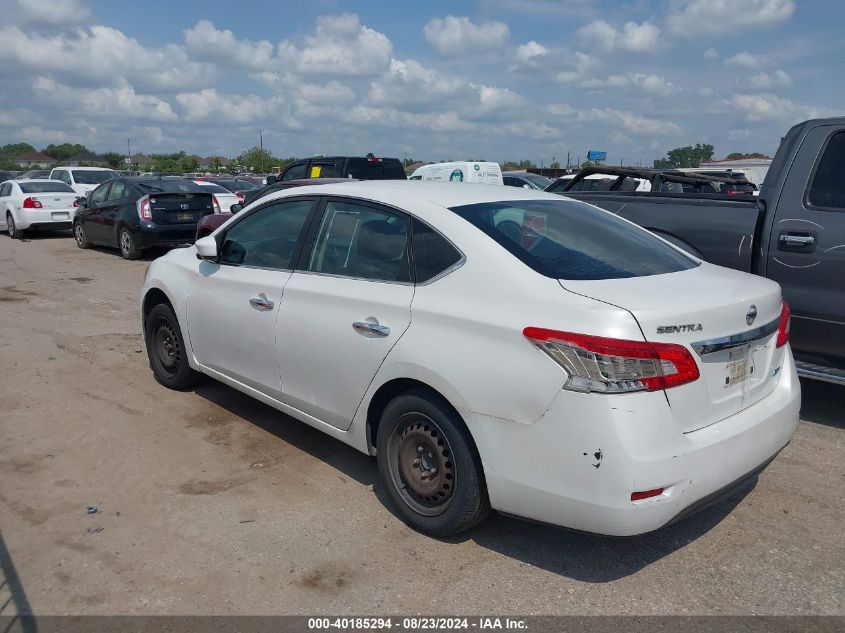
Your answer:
<point x="45" y="218"/>
<point x="149" y="234"/>
<point x="578" y="465"/>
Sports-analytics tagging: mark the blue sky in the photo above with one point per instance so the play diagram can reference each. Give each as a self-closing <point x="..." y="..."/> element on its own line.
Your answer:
<point x="492" y="79"/>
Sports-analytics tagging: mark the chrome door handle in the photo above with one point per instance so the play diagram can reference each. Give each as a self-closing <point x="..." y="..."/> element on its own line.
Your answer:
<point x="261" y="302"/>
<point x="797" y="240"/>
<point x="365" y="327"/>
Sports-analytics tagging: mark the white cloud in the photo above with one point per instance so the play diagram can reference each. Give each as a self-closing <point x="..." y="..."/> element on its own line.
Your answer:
<point x="493" y="99"/>
<point x="769" y="107"/>
<point x="631" y="123"/>
<point x="711" y="53"/>
<point x="227" y="108"/>
<point x="119" y="101"/>
<point x="634" y="38"/>
<point x="703" y="18"/>
<point x="407" y="82"/>
<point x="206" y="42"/>
<point x="453" y="34"/>
<point x="101" y="52"/>
<point x="766" y="81"/>
<point x="531" y="53"/>
<point x="51" y="12"/>
<point x="746" y="59"/>
<point x="577" y="66"/>
<point x="341" y="46"/>
<point x="650" y="84"/>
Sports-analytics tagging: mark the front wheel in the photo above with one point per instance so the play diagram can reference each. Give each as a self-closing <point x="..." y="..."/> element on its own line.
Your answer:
<point x="128" y="248"/>
<point x="166" y="349"/>
<point x="428" y="464"/>
<point x="80" y="236"/>
<point x="14" y="232"/>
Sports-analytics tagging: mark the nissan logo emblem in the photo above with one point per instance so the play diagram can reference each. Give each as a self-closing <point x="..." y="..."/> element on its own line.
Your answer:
<point x="751" y="314"/>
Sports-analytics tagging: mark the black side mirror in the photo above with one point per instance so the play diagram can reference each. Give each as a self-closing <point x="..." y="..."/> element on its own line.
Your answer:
<point x="82" y="202"/>
<point x="271" y="179"/>
<point x="235" y="208"/>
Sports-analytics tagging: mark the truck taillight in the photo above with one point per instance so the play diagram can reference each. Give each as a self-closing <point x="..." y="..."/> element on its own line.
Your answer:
<point x="216" y="204"/>
<point x="609" y="365"/>
<point x="783" y="325"/>
<point x="145" y="211"/>
<point x="31" y="203"/>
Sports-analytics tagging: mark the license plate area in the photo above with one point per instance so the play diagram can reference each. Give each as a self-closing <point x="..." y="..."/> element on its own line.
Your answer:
<point x="60" y="215"/>
<point x="740" y="366"/>
<point x="184" y="217"/>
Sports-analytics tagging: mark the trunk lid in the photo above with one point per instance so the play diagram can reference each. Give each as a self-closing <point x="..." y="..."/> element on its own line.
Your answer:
<point x="55" y="200"/>
<point x="180" y="207"/>
<point x="708" y="309"/>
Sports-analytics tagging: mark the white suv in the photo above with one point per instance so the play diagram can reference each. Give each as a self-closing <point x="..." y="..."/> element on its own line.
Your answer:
<point x="83" y="180"/>
<point x="491" y="346"/>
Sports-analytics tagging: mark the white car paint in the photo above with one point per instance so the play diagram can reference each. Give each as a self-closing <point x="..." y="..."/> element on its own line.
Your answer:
<point x="55" y="208"/>
<point x="225" y="198"/>
<point x="76" y="177"/>
<point x="461" y="171"/>
<point x="549" y="453"/>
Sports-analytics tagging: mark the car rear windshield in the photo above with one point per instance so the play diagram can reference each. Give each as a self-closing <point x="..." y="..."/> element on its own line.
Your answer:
<point x="170" y="186"/>
<point x="541" y="181"/>
<point x="93" y="177"/>
<point x="568" y="239"/>
<point x="375" y="169"/>
<point x="54" y="186"/>
<point x="214" y="188"/>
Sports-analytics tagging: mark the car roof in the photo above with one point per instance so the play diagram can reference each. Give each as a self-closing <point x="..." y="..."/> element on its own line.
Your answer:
<point x="70" y="168"/>
<point x="444" y="194"/>
<point x="25" y="180"/>
<point x="162" y="184"/>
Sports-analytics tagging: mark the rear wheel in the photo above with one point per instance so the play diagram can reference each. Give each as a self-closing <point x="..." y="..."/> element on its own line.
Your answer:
<point x="14" y="232"/>
<point x="427" y="462"/>
<point x="80" y="236"/>
<point x="127" y="245"/>
<point x="166" y="349"/>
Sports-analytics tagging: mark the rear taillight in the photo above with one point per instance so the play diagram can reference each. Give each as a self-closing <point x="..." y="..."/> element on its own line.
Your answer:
<point x="783" y="325"/>
<point x="240" y="195"/>
<point x="30" y="203"/>
<point x="608" y="365"/>
<point x="216" y="204"/>
<point x="145" y="212"/>
<point x="75" y="203"/>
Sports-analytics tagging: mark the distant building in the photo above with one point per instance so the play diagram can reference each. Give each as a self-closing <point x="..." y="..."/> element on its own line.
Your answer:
<point x="34" y="160"/>
<point x="82" y="157"/>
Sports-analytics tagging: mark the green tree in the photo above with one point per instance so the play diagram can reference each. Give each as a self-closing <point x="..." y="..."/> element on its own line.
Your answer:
<point x="738" y="155"/>
<point x="688" y="156"/>
<point x="63" y="151"/>
<point x="113" y="160"/>
<point x="13" y="150"/>
<point x="188" y="164"/>
<point x="555" y="165"/>
<point x="256" y="159"/>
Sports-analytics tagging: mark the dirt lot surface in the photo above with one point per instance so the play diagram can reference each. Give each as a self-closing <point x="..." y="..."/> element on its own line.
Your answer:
<point x="209" y="502"/>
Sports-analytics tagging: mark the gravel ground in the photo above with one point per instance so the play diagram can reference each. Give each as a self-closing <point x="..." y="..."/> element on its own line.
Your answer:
<point x="212" y="503"/>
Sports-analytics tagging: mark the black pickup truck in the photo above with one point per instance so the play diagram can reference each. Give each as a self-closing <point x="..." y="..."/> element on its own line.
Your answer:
<point x="793" y="232"/>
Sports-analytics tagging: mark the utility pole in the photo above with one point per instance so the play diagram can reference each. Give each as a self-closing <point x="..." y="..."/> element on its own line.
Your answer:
<point x="129" y="153"/>
<point x="261" y="145"/>
<point x="567" y="160"/>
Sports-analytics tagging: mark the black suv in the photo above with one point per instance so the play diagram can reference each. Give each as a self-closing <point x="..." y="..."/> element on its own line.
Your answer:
<point x="137" y="213"/>
<point x="362" y="168"/>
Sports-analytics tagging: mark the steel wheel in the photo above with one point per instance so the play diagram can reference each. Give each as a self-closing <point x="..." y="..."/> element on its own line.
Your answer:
<point x="168" y="351"/>
<point x="420" y="461"/>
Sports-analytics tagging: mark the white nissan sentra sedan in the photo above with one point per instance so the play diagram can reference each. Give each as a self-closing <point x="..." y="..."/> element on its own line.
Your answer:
<point x="493" y="347"/>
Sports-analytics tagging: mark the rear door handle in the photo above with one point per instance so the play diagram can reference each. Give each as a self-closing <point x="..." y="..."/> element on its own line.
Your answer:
<point x="261" y="303"/>
<point x="365" y="327"/>
<point x="803" y="242"/>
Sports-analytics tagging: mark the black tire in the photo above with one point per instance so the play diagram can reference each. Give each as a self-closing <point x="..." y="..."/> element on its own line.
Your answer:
<point x="14" y="232"/>
<point x="420" y="434"/>
<point x="80" y="235"/>
<point x="126" y="244"/>
<point x="166" y="350"/>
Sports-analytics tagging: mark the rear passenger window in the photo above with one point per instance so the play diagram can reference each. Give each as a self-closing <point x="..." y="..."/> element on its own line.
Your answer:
<point x="117" y="192"/>
<point x="827" y="189"/>
<point x="268" y="237"/>
<point x="295" y="172"/>
<point x="363" y="242"/>
<point x="433" y="254"/>
<point x="323" y="170"/>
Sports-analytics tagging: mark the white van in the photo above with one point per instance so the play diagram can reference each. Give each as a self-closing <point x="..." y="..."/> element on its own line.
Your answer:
<point x="83" y="180"/>
<point x="482" y="173"/>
